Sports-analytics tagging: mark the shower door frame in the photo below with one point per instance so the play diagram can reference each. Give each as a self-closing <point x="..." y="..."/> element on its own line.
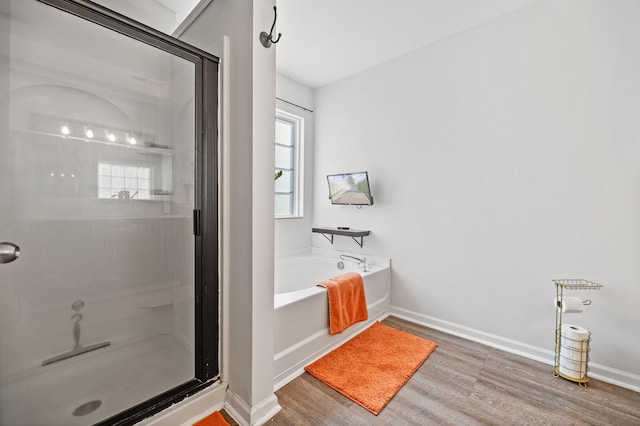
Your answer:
<point x="205" y="213"/>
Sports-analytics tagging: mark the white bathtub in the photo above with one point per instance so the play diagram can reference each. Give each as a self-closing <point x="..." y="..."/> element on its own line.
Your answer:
<point x="301" y="308"/>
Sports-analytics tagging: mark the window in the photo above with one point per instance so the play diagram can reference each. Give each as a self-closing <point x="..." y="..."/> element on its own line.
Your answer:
<point x="288" y="149"/>
<point x="124" y="181"/>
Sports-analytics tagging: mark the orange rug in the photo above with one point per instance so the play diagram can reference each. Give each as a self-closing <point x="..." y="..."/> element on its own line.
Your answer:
<point x="214" y="419"/>
<point x="372" y="367"/>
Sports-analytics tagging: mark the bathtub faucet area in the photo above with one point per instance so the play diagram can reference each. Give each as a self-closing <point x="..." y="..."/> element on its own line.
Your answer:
<point x="362" y="263"/>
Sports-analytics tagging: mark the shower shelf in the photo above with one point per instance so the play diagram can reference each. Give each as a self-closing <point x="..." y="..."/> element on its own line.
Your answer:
<point x="108" y="218"/>
<point x="328" y="233"/>
<point x="137" y="148"/>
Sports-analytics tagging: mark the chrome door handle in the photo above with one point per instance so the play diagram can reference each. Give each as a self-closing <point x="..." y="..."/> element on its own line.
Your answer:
<point x="8" y="252"/>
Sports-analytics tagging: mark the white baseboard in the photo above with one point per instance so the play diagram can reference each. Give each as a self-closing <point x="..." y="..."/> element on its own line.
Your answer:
<point x="614" y="376"/>
<point x="191" y="409"/>
<point x="245" y="415"/>
<point x="621" y="378"/>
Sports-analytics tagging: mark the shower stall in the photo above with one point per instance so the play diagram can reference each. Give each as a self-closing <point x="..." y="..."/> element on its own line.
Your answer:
<point x="108" y="216"/>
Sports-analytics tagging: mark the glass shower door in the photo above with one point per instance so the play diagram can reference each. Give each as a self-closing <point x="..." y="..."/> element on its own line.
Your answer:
<point x="97" y="189"/>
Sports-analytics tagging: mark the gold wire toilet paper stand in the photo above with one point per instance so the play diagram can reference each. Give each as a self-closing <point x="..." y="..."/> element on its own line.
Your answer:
<point x="583" y="346"/>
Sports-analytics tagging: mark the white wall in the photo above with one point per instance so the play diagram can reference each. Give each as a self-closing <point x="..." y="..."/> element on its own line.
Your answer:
<point x="295" y="233"/>
<point x="501" y="158"/>
<point x="293" y="91"/>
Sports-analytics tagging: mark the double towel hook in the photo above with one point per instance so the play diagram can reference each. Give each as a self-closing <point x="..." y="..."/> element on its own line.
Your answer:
<point x="267" y="39"/>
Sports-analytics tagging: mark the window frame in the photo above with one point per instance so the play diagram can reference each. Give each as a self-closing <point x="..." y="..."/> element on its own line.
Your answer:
<point x="297" y="178"/>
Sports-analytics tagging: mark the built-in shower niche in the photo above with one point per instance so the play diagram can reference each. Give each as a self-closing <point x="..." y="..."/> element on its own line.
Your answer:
<point x="131" y="164"/>
<point x="87" y="146"/>
<point x="124" y="164"/>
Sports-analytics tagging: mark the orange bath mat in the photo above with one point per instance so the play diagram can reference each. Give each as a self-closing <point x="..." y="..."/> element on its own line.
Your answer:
<point x="214" y="419"/>
<point x="372" y="367"/>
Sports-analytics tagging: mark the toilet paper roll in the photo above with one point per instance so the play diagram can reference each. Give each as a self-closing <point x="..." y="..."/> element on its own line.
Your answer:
<point x="574" y="351"/>
<point x="569" y="305"/>
<point x="573" y="369"/>
<point x="573" y="336"/>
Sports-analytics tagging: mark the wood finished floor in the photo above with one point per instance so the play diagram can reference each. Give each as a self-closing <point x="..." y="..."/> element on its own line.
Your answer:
<point x="465" y="383"/>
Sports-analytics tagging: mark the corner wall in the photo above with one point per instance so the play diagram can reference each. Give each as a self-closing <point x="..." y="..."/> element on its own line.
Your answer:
<point x="501" y="158"/>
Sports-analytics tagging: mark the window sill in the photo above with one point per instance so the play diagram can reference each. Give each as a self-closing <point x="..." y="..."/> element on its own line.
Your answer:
<point x="289" y="217"/>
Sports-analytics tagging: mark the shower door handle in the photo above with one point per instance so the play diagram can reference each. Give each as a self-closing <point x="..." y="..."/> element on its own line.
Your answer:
<point x="8" y="252"/>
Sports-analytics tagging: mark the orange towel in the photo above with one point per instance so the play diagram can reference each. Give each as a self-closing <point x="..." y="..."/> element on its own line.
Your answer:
<point x="347" y="302"/>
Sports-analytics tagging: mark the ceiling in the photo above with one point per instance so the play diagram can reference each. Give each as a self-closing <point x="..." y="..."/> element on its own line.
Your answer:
<point x="163" y="15"/>
<point x="327" y="40"/>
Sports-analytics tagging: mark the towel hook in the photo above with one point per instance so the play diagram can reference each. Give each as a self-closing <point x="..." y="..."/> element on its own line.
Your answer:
<point x="267" y="39"/>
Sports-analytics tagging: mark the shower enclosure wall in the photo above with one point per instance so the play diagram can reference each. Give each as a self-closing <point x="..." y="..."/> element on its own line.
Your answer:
<point x="106" y="212"/>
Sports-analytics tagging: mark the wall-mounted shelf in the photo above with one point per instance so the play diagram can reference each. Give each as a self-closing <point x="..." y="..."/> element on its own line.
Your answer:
<point x="328" y="233"/>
